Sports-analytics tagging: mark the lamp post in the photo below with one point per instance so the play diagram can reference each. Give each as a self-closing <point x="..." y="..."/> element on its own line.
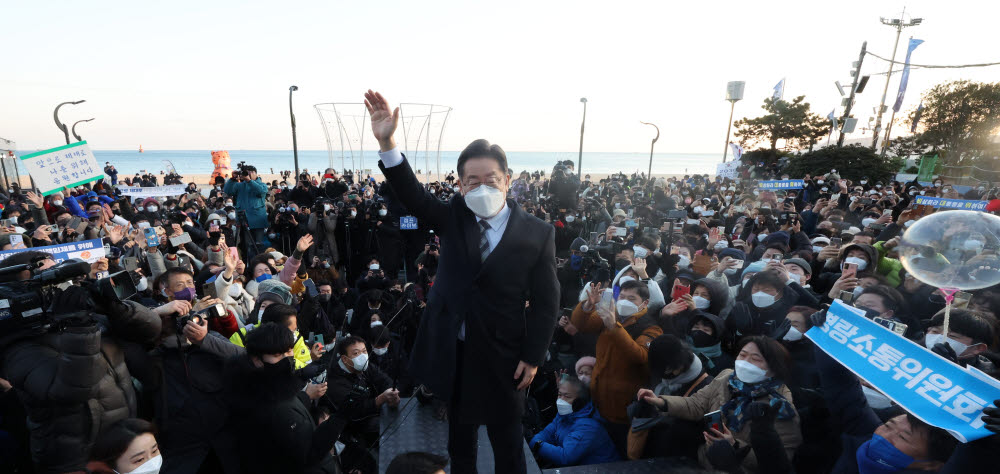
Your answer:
<point x="898" y="24"/>
<point x="295" y="143"/>
<point x="649" y="174"/>
<point x="579" y="160"/>
<point x="73" y="129"/>
<point x="60" y="125"/>
<point x="734" y="93"/>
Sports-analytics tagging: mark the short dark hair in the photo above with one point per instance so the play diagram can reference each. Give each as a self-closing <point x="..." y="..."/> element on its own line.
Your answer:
<point x="977" y="325"/>
<point x="891" y="298"/>
<point x="416" y="462"/>
<point x="348" y="341"/>
<point x="639" y="288"/>
<point x="278" y="313"/>
<point x="940" y="444"/>
<point x="777" y="357"/>
<point x="482" y="148"/>
<point x="768" y="278"/>
<point x="805" y="311"/>
<point x="269" y="338"/>
<point x="115" y="441"/>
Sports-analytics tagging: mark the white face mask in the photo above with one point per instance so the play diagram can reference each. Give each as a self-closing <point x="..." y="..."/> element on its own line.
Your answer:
<point x="376" y="324"/>
<point x="684" y="262"/>
<point x="931" y="339"/>
<point x="382" y="212"/>
<point x="762" y="300"/>
<point x="354" y="213"/>
<point x="152" y="208"/>
<point x="235" y="290"/>
<point x="761" y="237"/>
<point x="360" y="362"/>
<point x="640" y="252"/>
<point x="731" y="271"/>
<point x="817" y="249"/>
<point x="326" y="207"/>
<point x="151" y="466"/>
<point x="380" y="352"/>
<point x="485" y="201"/>
<point x="625" y="308"/>
<point x="867" y="221"/>
<point x="57" y="202"/>
<point x="792" y="334"/>
<point x="749" y="373"/>
<point x="563" y="407"/>
<point x="819" y="181"/>
<point x="701" y="302"/>
<point x="570" y="218"/>
<point x="861" y="263"/>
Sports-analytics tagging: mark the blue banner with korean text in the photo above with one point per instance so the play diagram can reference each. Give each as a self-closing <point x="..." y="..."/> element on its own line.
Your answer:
<point x="780" y="184"/>
<point x="407" y="223"/>
<point x="951" y="203"/>
<point x="930" y="387"/>
<point x="89" y="250"/>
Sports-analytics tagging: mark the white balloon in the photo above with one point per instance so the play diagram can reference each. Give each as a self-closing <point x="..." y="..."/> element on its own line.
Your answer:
<point x="953" y="249"/>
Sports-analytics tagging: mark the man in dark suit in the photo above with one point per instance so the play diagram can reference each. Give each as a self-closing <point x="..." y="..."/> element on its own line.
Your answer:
<point x="478" y="345"/>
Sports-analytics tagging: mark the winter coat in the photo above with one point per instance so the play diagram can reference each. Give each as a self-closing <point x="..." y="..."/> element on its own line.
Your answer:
<point x="716" y="394"/>
<point x="746" y="318"/>
<point x="655" y="294"/>
<point x="300" y="349"/>
<point x="622" y="359"/>
<point x="249" y="196"/>
<point x="75" y="383"/>
<point x="276" y="430"/>
<point x="576" y="439"/>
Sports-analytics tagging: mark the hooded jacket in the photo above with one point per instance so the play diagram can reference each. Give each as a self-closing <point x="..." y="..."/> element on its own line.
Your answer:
<point x="655" y="294"/>
<point x="576" y="439"/>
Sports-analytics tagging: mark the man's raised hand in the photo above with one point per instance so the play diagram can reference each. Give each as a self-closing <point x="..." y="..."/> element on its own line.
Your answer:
<point x="384" y="120"/>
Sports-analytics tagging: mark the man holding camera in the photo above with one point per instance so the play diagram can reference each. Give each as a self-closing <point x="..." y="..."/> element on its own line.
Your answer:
<point x="249" y="194"/>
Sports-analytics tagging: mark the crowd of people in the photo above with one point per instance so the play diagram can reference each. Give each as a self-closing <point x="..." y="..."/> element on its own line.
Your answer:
<point x="272" y="322"/>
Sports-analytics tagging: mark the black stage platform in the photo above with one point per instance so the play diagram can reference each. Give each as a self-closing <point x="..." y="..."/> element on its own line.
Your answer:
<point x="412" y="427"/>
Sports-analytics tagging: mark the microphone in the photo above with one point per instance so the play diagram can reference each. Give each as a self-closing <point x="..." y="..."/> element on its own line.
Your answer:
<point x="66" y="270"/>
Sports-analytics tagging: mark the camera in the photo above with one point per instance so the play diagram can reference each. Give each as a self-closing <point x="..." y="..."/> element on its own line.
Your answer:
<point x="27" y="301"/>
<point x="214" y="311"/>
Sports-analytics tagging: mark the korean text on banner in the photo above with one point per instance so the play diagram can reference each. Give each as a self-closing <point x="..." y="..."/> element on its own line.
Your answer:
<point x="136" y="192"/>
<point x="781" y="184"/>
<point x="89" y="250"/>
<point x="930" y="387"/>
<point x="728" y="170"/>
<point x="407" y="223"/>
<point x="951" y="203"/>
<point x="66" y="166"/>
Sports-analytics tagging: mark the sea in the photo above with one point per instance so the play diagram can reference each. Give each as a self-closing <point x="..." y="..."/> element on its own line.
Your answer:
<point x="273" y="161"/>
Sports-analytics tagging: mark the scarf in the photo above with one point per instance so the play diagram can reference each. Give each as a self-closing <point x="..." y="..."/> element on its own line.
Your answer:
<point x="710" y="352"/>
<point x="670" y="385"/>
<point x="745" y="393"/>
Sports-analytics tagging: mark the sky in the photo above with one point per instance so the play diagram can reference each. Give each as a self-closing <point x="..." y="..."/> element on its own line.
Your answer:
<point x="215" y="75"/>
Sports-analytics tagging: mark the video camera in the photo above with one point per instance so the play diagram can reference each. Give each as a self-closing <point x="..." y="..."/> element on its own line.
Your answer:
<point x="243" y="169"/>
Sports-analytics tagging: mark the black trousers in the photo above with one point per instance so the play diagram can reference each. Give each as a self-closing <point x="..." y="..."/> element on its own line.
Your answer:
<point x="506" y="438"/>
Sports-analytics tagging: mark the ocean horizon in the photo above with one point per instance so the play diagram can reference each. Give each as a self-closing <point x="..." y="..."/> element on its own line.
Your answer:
<point x="200" y="161"/>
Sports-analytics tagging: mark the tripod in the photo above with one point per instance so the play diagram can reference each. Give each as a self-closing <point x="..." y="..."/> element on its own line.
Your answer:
<point x="245" y="235"/>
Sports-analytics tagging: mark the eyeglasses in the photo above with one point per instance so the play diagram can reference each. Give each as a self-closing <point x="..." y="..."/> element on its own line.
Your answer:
<point x="489" y="181"/>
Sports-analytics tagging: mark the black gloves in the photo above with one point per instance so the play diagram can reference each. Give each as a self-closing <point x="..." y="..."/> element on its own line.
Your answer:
<point x="991" y="416"/>
<point x="818" y="318"/>
<point x="726" y="457"/>
<point x="781" y="330"/>
<point x="536" y="446"/>
<point x="762" y="412"/>
<point x="945" y="350"/>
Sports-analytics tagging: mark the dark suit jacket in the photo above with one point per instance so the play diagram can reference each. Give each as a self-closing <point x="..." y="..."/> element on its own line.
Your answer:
<point x="489" y="297"/>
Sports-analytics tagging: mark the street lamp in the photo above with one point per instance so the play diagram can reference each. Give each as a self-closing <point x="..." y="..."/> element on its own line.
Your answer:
<point x="734" y="93"/>
<point x="649" y="174"/>
<point x="579" y="160"/>
<point x="898" y="24"/>
<point x="73" y="128"/>
<point x="60" y="125"/>
<point x="295" y="143"/>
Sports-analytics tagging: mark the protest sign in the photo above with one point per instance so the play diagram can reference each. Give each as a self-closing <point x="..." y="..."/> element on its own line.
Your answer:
<point x="728" y="170"/>
<point x="65" y="166"/>
<point x="89" y="250"/>
<point x="780" y="184"/>
<point x="156" y="191"/>
<point x="407" y="223"/>
<point x="951" y="203"/>
<point x="930" y="387"/>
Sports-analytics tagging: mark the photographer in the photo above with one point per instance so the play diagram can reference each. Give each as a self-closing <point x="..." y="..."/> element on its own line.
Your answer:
<point x="322" y="224"/>
<point x="249" y="193"/>
<point x="71" y="376"/>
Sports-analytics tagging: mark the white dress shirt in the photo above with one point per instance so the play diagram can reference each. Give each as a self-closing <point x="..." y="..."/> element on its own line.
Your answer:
<point x="498" y="223"/>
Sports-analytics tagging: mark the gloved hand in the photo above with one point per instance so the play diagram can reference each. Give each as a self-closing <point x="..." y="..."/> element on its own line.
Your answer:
<point x="818" y="318"/>
<point x="536" y="446"/>
<point x="945" y="350"/>
<point x="762" y="412"/>
<point x="781" y="330"/>
<point x="725" y="457"/>
<point x="991" y="416"/>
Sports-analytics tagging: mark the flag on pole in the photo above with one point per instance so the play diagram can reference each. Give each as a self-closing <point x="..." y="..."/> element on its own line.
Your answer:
<point x="916" y="117"/>
<point x="737" y="151"/>
<point x="906" y="74"/>
<point x="779" y="90"/>
<point x="833" y="119"/>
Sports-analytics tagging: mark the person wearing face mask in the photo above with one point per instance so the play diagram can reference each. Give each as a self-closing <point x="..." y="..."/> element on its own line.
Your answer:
<point x="127" y="447"/>
<point x="576" y="437"/>
<point x="390" y="357"/>
<point x="970" y="335"/>
<point x="249" y="193"/>
<point x="274" y="409"/>
<point x="756" y="411"/>
<point x="791" y="334"/>
<point x="674" y="371"/>
<point x="705" y="295"/>
<point x="763" y="304"/>
<point x="463" y="352"/>
<point x="623" y="333"/>
<point x="637" y="271"/>
<point x="322" y="223"/>
<point x="359" y="389"/>
<point x="303" y="353"/>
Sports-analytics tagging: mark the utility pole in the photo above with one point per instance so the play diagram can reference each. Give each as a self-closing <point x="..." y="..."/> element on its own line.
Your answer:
<point x="295" y="142"/>
<point x="734" y="93"/>
<point x="854" y="88"/>
<point x="898" y="24"/>
<point x="649" y="174"/>
<point x="579" y="160"/>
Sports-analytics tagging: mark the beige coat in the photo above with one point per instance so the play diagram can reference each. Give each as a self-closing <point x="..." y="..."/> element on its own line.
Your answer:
<point x="716" y="394"/>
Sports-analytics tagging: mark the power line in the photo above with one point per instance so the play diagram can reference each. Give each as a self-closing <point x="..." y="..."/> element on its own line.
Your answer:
<point x="958" y="66"/>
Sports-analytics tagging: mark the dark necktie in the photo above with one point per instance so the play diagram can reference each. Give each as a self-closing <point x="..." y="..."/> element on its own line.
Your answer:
<point x="484" y="242"/>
